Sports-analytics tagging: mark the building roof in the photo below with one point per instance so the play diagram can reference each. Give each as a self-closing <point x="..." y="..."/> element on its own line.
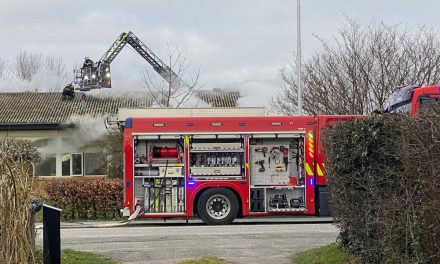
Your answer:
<point x="49" y="108"/>
<point x="32" y="110"/>
<point x="219" y="98"/>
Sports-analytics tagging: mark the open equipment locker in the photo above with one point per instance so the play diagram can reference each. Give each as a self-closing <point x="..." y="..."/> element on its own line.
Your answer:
<point x="217" y="157"/>
<point x="277" y="173"/>
<point x="159" y="180"/>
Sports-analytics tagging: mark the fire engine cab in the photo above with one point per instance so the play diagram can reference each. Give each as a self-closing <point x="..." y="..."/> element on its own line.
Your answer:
<point x="412" y="98"/>
<point x="219" y="168"/>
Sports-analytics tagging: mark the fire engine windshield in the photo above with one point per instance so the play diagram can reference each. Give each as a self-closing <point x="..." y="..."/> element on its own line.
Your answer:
<point x="429" y="100"/>
<point x="400" y="100"/>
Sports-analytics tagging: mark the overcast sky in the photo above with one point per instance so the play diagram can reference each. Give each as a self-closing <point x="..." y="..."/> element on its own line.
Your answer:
<point x="238" y="44"/>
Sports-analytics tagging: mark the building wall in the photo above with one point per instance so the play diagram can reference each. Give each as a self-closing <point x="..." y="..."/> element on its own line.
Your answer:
<point x="29" y="133"/>
<point x="60" y="155"/>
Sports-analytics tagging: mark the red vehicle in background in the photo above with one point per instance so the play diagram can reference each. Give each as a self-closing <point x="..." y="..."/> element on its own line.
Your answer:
<point x="411" y="98"/>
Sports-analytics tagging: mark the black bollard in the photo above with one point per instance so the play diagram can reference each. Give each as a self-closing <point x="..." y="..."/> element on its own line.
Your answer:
<point x="51" y="235"/>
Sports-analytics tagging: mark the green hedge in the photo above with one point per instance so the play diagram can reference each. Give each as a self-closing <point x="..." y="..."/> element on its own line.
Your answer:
<point x="384" y="179"/>
<point x="86" y="198"/>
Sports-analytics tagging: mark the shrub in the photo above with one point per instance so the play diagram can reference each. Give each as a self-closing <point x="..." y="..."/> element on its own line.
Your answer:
<point x="384" y="179"/>
<point x="86" y="198"/>
<point x="16" y="183"/>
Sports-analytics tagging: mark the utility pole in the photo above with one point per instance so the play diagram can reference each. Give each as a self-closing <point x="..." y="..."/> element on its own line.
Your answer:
<point x="298" y="54"/>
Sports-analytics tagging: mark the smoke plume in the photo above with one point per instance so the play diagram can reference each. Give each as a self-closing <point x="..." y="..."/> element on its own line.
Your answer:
<point x="82" y="131"/>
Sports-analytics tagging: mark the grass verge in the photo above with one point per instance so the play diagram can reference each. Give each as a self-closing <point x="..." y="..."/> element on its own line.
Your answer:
<point x="205" y="260"/>
<point x="69" y="256"/>
<point x="328" y="254"/>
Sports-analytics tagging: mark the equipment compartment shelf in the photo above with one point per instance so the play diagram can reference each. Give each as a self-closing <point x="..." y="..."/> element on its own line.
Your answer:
<point x="281" y="187"/>
<point x="159" y="171"/>
<point x="160" y="185"/>
<point x="216" y="146"/>
<point x="287" y="209"/>
<point x="285" y="199"/>
<point x="218" y="150"/>
<point x="148" y="165"/>
<point x="167" y="177"/>
<point x="216" y="171"/>
<point x="165" y="213"/>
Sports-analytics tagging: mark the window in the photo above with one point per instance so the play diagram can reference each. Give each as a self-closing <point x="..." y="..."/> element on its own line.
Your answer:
<point x="94" y="164"/>
<point x="426" y="100"/>
<point x="76" y="164"/>
<point x="405" y="108"/>
<point x="47" y="166"/>
<point x="65" y="159"/>
<point x="80" y="164"/>
<point x="72" y="164"/>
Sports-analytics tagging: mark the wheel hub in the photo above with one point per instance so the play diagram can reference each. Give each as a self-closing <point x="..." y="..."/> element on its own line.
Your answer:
<point x="218" y="206"/>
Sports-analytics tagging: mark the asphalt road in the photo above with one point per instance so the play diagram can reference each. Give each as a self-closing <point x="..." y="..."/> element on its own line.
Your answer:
<point x="246" y="242"/>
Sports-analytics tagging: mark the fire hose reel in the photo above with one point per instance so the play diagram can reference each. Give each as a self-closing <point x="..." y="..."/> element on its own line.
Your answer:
<point x="165" y="152"/>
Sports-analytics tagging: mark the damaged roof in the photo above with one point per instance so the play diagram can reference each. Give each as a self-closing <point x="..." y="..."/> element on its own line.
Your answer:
<point x="36" y="110"/>
<point x="219" y="98"/>
<point x="29" y="108"/>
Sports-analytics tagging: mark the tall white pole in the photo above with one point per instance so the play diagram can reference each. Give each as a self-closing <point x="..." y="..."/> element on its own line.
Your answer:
<point x="298" y="54"/>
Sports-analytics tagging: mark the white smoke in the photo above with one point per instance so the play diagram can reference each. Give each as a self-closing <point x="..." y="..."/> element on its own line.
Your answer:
<point x="37" y="73"/>
<point x="84" y="131"/>
<point x="42" y="81"/>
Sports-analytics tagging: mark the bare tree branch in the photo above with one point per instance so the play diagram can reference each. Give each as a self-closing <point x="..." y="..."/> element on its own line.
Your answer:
<point x="172" y="92"/>
<point x="55" y="66"/>
<point x="356" y="71"/>
<point x="27" y="65"/>
<point x="3" y="68"/>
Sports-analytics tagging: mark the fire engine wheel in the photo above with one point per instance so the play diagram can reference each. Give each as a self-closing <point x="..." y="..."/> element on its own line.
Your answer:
<point x="218" y="206"/>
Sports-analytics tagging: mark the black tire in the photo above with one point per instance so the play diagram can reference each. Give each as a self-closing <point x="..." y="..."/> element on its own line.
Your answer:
<point x="218" y="206"/>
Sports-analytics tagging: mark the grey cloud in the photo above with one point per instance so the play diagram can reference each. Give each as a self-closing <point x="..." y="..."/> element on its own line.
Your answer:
<point x="237" y="44"/>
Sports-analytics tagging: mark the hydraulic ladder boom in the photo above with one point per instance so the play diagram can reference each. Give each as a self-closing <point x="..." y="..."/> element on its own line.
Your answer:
<point x="97" y="75"/>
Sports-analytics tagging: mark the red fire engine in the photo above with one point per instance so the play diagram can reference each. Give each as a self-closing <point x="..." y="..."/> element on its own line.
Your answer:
<point x="220" y="168"/>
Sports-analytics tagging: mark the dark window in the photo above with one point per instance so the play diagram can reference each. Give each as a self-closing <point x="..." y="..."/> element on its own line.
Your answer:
<point x="405" y="108"/>
<point x="77" y="164"/>
<point x="47" y="166"/>
<point x="94" y="164"/>
<point x="426" y="101"/>
<point x="66" y="165"/>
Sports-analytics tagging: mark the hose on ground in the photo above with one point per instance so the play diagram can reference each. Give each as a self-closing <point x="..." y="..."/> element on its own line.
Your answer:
<point x="130" y="218"/>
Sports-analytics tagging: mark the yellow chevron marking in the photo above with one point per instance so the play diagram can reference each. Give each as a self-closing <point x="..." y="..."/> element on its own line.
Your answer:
<point x="318" y="170"/>
<point x="308" y="170"/>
